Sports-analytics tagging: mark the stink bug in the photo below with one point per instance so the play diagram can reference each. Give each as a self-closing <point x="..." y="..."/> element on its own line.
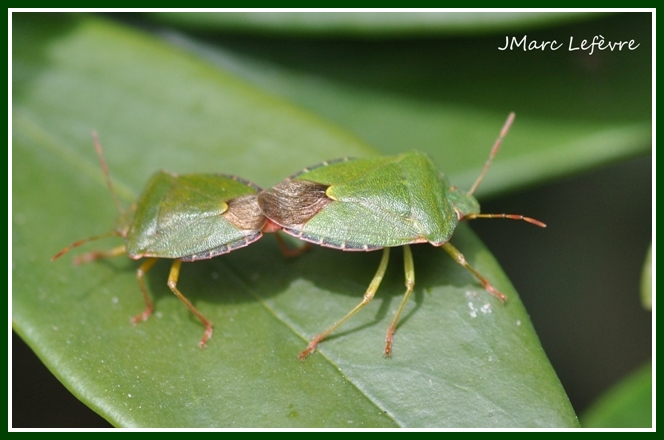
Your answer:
<point x="183" y="218"/>
<point x="371" y="204"/>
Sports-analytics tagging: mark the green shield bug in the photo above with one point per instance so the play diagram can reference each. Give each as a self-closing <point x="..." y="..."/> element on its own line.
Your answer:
<point x="183" y="218"/>
<point x="371" y="204"/>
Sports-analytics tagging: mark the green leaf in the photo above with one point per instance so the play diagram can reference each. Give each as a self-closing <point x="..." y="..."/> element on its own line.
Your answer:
<point x="627" y="404"/>
<point x="366" y="24"/>
<point x="461" y="359"/>
<point x="646" y="281"/>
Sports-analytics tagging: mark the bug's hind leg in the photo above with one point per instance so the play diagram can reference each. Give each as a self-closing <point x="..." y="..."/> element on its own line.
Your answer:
<point x="368" y="296"/>
<point x="172" y="284"/>
<point x="459" y="258"/>
<point x="409" y="269"/>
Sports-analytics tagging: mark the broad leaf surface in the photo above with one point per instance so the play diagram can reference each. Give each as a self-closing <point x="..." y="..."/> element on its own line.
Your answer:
<point x="460" y="357"/>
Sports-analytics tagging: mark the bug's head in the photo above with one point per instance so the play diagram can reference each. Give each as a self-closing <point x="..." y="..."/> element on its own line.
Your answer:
<point x="464" y="202"/>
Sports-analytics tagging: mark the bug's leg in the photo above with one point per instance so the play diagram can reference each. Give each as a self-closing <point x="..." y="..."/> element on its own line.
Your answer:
<point x="289" y="251"/>
<point x="96" y="255"/>
<point x="459" y="258"/>
<point x="172" y="284"/>
<point x="368" y="296"/>
<point x="409" y="269"/>
<point x="140" y="273"/>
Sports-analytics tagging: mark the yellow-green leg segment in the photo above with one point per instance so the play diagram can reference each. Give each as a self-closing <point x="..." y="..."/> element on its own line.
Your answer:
<point x="409" y="268"/>
<point x="140" y="273"/>
<point x="172" y="284"/>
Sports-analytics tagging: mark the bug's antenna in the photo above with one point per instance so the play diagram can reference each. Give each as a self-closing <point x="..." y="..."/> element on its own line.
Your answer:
<point x="508" y="216"/>
<point x="107" y="176"/>
<point x="81" y="242"/>
<point x="494" y="151"/>
<point x="104" y="169"/>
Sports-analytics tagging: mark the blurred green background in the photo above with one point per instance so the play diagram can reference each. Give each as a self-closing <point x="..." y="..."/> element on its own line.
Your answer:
<point x="401" y="81"/>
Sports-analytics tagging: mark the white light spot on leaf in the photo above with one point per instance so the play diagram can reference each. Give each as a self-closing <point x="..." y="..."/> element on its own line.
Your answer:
<point x="473" y="298"/>
<point x="473" y="310"/>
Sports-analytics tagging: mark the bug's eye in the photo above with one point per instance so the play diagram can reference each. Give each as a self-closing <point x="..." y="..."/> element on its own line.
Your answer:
<point x="293" y="202"/>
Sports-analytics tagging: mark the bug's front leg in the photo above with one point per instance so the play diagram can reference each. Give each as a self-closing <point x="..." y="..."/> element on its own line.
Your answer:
<point x="459" y="258"/>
